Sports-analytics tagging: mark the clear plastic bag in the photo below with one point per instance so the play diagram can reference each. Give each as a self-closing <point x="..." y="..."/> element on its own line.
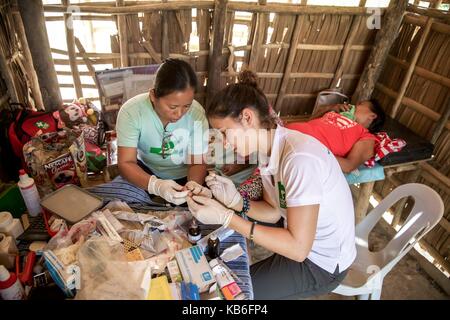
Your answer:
<point x="106" y="273"/>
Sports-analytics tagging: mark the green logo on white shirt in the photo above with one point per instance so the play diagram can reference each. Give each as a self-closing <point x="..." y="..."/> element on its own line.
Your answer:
<point x="168" y="149"/>
<point x="282" y="195"/>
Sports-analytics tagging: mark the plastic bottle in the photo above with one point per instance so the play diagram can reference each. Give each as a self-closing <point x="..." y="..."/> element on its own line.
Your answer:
<point x="9" y="225"/>
<point x="29" y="193"/>
<point x="194" y="233"/>
<point x="10" y="286"/>
<point x="213" y="246"/>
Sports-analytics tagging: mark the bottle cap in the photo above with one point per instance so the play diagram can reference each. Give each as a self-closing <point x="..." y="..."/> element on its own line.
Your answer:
<point x="213" y="237"/>
<point x="5" y="219"/>
<point x="22" y="172"/>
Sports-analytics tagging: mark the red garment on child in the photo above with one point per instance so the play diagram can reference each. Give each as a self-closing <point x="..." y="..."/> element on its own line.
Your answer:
<point x="336" y="132"/>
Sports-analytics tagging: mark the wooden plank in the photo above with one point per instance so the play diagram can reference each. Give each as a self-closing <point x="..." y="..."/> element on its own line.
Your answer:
<point x="429" y="12"/>
<point x="165" y="50"/>
<point x="440" y="125"/>
<point x="288" y="66"/>
<point x="438" y="175"/>
<point x="86" y="60"/>
<point x="28" y="61"/>
<point x="123" y="35"/>
<point x="148" y="46"/>
<point x="383" y="42"/>
<point x="409" y="72"/>
<point x="258" y="39"/>
<point x="215" y="52"/>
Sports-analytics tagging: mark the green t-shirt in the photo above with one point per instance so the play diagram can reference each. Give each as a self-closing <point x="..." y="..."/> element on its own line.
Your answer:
<point x="138" y="126"/>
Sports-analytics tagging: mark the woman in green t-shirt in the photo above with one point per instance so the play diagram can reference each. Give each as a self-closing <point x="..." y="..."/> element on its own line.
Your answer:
<point x="161" y="136"/>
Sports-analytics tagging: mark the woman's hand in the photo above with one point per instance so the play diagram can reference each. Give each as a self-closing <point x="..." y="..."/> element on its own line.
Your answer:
<point x="169" y="190"/>
<point x="224" y="190"/>
<point x="198" y="190"/>
<point x="209" y="211"/>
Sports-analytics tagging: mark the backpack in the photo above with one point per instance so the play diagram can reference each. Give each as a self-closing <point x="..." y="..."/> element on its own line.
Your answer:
<point x="26" y="125"/>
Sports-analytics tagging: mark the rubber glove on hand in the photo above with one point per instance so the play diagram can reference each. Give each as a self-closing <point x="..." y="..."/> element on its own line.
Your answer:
<point x="198" y="190"/>
<point x="209" y="211"/>
<point x="169" y="190"/>
<point x="224" y="190"/>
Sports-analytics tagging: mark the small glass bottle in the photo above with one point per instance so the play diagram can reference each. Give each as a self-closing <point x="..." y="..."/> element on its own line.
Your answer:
<point x="194" y="232"/>
<point x="213" y="246"/>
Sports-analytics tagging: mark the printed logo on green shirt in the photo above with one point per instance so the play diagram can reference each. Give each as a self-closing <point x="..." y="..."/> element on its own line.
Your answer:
<point x="168" y="149"/>
<point x="282" y="195"/>
<point x="42" y="124"/>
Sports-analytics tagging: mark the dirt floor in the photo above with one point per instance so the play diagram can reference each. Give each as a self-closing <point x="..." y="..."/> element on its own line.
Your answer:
<point x="406" y="280"/>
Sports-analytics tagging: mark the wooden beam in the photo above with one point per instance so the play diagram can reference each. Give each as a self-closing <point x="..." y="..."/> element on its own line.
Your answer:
<point x="151" y="51"/>
<point x="422" y="72"/>
<point x="416" y="106"/>
<point x="289" y="63"/>
<point x="258" y="39"/>
<point x="87" y="61"/>
<point x="429" y="12"/>
<point x="409" y="72"/>
<point x="32" y="14"/>
<point x="215" y="50"/>
<point x="70" y="40"/>
<point x="6" y="74"/>
<point x="123" y="35"/>
<point x="383" y="42"/>
<point x="440" y="125"/>
<point x="345" y="56"/>
<point x="437" y="174"/>
<point x="28" y="61"/>
<point x="362" y="203"/>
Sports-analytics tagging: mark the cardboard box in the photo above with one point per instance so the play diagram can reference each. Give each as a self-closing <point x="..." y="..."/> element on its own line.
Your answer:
<point x="195" y="268"/>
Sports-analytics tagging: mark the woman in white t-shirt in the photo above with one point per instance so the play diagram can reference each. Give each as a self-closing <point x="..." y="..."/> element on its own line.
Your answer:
<point x="302" y="182"/>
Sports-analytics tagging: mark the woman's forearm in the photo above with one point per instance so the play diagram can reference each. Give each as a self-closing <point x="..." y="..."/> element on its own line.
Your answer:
<point x="278" y="240"/>
<point x="134" y="174"/>
<point x="197" y="173"/>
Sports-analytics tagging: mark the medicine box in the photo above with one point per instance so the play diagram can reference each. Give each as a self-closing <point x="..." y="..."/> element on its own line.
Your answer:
<point x="194" y="268"/>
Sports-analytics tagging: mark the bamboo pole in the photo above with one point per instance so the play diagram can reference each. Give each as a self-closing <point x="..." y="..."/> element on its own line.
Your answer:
<point x="429" y="12"/>
<point x="440" y="125"/>
<point x="34" y="82"/>
<point x="32" y="14"/>
<point x="165" y="50"/>
<point x="422" y="72"/>
<point x="215" y="50"/>
<point x="258" y="38"/>
<point x="409" y="72"/>
<point x="151" y="51"/>
<point x="87" y="61"/>
<point x="123" y="36"/>
<point x="383" y="42"/>
<point x="288" y="66"/>
<point x="416" y="106"/>
<point x="346" y="51"/>
<point x="437" y="174"/>
<point x="5" y="72"/>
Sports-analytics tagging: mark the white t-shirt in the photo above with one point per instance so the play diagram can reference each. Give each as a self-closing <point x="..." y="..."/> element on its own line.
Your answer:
<point x="305" y="172"/>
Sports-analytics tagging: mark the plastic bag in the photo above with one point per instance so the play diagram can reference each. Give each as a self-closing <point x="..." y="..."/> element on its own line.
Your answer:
<point x="107" y="275"/>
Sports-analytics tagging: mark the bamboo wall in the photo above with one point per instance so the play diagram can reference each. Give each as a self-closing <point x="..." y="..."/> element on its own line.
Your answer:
<point x="414" y="89"/>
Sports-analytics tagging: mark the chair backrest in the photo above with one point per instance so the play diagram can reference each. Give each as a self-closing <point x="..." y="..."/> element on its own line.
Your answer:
<point x="328" y="97"/>
<point x="428" y="209"/>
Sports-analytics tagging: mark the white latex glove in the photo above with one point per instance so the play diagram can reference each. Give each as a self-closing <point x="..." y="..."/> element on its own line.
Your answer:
<point x="167" y="189"/>
<point x="209" y="211"/>
<point x="223" y="189"/>
<point x="198" y="190"/>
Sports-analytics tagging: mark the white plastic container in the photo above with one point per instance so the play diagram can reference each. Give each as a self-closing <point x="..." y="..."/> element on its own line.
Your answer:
<point x="9" y="226"/>
<point x="8" y="251"/>
<point x="10" y="286"/>
<point x="29" y="193"/>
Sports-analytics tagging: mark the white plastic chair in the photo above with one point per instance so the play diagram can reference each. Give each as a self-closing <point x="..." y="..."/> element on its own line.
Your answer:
<point x="365" y="276"/>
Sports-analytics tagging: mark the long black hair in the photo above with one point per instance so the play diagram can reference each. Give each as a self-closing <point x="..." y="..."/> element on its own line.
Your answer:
<point x="230" y="101"/>
<point x="378" y="122"/>
<point x="174" y="75"/>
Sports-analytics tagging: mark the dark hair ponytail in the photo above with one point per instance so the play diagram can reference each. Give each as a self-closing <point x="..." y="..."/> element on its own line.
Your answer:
<point x="174" y="75"/>
<point x="230" y="101"/>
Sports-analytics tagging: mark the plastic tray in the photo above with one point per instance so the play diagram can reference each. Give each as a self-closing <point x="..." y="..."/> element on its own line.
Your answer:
<point x="71" y="203"/>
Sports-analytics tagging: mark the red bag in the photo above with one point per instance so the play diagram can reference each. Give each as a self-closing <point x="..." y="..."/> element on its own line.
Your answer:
<point x="29" y="124"/>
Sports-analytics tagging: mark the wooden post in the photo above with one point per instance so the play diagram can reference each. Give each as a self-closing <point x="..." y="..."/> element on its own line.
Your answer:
<point x="34" y="82"/>
<point x="32" y="14"/>
<point x="401" y="204"/>
<point x="165" y="49"/>
<point x="258" y="37"/>
<point x="412" y="65"/>
<point x="289" y="63"/>
<point x="383" y="42"/>
<point x="440" y="125"/>
<point x="86" y="59"/>
<point x="346" y="51"/>
<point x="123" y="36"/>
<point x="362" y="202"/>
<point x="215" y="50"/>
<point x="70" y="39"/>
<point x="362" y="3"/>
